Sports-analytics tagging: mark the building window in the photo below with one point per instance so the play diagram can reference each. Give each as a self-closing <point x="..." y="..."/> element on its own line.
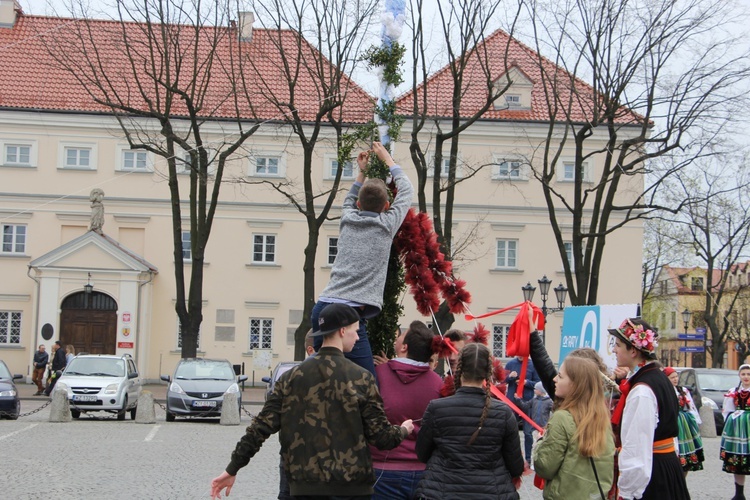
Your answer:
<point x="673" y="320"/>
<point x="77" y="157"/>
<point x="513" y="100"/>
<point x="134" y="160"/>
<point x="509" y="169"/>
<point x="333" y="246"/>
<point x="568" y="172"/>
<point x="18" y="154"/>
<point x="506" y="253"/>
<point x="569" y="254"/>
<point x="264" y="248"/>
<point x="187" y="253"/>
<point x="10" y="327"/>
<point x="663" y="287"/>
<point x="267" y="165"/>
<point x="179" y="337"/>
<point x="14" y="239"/>
<point x="261" y="331"/>
<point x="696" y="284"/>
<point x="499" y="340"/>
<point x="347" y="172"/>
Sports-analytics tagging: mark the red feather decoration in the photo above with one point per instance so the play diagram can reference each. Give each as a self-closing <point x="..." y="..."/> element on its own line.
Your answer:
<point x="449" y="388"/>
<point x="442" y="346"/>
<point x="481" y="334"/>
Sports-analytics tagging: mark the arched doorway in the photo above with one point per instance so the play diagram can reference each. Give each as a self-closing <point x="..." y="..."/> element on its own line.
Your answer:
<point x="89" y="322"/>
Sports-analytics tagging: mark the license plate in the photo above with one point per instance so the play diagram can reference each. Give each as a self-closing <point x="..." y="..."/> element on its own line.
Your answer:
<point x="204" y="404"/>
<point x="84" y="399"/>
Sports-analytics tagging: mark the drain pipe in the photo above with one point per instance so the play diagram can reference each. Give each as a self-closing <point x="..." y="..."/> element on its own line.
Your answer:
<point x="140" y="311"/>
<point x="36" y="313"/>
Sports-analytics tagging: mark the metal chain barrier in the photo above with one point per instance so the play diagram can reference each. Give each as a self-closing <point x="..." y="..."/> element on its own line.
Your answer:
<point x="247" y="412"/>
<point x="8" y="414"/>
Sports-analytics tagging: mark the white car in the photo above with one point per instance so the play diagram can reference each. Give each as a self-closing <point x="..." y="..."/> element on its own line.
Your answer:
<point x="101" y="382"/>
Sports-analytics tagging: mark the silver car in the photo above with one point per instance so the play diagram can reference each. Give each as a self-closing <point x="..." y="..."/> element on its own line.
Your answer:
<point x="101" y="382"/>
<point x="198" y="387"/>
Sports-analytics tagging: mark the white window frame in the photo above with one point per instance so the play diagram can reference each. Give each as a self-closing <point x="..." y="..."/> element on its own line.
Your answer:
<point x="281" y="164"/>
<point x="265" y="334"/>
<point x="500" y="332"/>
<point x="562" y="171"/>
<point x="506" y="243"/>
<point x="513" y="101"/>
<point x="332" y="250"/>
<point x="446" y="167"/>
<point x="264" y="253"/>
<point x="569" y="254"/>
<point x="186" y="240"/>
<point x="63" y="155"/>
<point x="178" y="338"/>
<point x="18" y="240"/>
<point x="123" y="150"/>
<point x="498" y="161"/>
<point x="330" y="170"/>
<point x="10" y="143"/>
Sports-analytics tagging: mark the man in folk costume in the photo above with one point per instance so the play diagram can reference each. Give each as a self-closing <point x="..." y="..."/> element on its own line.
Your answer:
<point x="645" y="419"/>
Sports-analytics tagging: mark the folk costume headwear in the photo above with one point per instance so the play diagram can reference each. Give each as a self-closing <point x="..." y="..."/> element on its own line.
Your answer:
<point x="638" y="334"/>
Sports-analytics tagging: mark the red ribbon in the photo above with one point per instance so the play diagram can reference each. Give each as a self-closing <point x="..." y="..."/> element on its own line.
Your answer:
<point x="502" y="397"/>
<point x="624" y="390"/>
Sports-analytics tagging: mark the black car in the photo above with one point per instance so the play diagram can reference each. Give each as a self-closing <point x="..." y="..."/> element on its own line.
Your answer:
<point x="277" y="372"/>
<point x="199" y="386"/>
<point x="708" y="386"/>
<point x="10" y="403"/>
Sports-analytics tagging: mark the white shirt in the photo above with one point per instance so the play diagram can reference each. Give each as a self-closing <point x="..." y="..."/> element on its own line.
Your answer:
<point x="639" y="420"/>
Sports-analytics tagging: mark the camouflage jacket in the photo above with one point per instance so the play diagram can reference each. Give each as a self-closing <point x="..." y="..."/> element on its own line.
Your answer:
<point x="326" y="411"/>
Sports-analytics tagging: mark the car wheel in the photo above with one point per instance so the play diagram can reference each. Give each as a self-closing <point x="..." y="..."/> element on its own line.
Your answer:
<point x="170" y="417"/>
<point x="133" y="412"/>
<point x="75" y="413"/>
<point x="121" y="413"/>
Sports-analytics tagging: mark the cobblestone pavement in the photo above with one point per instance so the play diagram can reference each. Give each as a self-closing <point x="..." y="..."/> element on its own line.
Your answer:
<point x="107" y="459"/>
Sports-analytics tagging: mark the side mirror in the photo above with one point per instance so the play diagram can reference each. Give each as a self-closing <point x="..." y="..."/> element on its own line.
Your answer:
<point x="267" y="380"/>
<point x="17" y="376"/>
<point x="166" y="378"/>
<point x="241" y="378"/>
<point x="133" y="375"/>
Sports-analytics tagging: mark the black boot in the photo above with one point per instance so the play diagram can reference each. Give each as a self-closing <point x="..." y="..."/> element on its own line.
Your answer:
<point x="739" y="492"/>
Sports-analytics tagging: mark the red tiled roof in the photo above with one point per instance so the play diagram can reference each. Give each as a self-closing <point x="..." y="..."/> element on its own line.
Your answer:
<point x="33" y="80"/>
<point x="525" y="60"/>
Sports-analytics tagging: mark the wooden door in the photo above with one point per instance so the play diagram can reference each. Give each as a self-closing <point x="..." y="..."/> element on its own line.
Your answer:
<point x="89" y="323"/>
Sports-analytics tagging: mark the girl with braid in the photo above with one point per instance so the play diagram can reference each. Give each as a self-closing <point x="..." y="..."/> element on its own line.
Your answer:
<point x="469" y="440"/>
<point x="576" y="453"/>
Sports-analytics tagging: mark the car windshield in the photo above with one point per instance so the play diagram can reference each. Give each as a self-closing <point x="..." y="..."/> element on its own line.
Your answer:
<point x="96" y="367"/>
<point x="204" y="370"/>
<point x="716" y="382"/>
<point x="4" y="372"/>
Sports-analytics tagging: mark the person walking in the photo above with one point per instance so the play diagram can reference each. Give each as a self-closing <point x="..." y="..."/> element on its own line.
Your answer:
<point x="326" y="410"/>
<point x="41" y="358"/>
<point x="735" y="439"/>
<point x="576" y="454"/>
<point x="469" y="441"/>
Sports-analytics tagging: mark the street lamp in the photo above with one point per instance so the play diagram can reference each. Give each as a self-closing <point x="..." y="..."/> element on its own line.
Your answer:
<point x="88" y="287"/>
<point x="561" y="293"/>
<point x="686" y="314"/>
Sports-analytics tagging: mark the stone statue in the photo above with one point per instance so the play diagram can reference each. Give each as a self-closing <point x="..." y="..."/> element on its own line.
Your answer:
<point x="97" y="210"/>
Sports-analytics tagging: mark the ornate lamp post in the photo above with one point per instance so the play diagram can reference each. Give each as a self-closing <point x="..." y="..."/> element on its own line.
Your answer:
<point x="561" y="293"/>
<point x="686" y="315"/>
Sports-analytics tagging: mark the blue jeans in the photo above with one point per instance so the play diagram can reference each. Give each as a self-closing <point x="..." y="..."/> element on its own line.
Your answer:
<point x="361" y="354"/>
<point x="528" y="439"/>
<point x="396" y="484"/>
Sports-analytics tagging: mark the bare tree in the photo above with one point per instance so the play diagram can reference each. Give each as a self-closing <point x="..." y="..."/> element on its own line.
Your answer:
<point x="169" y="71"/>
<point x="715" y="225"/>
<point x="473" y="65"/>
<point x="313" y="94"/>
<point x="663" y="78"/>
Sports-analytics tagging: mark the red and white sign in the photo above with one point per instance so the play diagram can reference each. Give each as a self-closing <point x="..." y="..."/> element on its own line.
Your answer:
<point x="126" y="317"/>
<point x="124" y="345"/>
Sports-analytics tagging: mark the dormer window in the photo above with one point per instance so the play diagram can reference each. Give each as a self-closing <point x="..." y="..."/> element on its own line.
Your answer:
<point x="513" y="100"/>
<point x="517" y="89"/>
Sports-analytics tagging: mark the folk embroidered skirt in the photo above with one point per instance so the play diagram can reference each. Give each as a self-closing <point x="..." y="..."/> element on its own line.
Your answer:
<point x="689" y="442"/>
<point x="735" y="443"/>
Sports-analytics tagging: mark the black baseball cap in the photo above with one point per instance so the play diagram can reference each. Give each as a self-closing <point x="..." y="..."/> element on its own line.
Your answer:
<point x="334" y="317"/>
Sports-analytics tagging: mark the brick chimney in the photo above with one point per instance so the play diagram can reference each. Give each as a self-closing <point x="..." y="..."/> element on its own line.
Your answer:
<point x="245" y="24"/>
<point x="9" y="10"/>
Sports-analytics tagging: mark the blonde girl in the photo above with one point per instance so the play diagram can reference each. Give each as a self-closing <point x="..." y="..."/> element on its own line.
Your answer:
<point x="576" y="454"/>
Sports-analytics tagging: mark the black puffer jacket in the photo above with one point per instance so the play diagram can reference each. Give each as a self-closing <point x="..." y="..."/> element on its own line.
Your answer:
<point x="457" y="470"/>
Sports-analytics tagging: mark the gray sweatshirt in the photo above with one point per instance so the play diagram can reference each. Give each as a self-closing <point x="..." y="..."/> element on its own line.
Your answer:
<point x="364" y="246"/>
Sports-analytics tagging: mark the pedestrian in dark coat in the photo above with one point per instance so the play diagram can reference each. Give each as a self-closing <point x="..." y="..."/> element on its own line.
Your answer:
<point x="470" y="441"/>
